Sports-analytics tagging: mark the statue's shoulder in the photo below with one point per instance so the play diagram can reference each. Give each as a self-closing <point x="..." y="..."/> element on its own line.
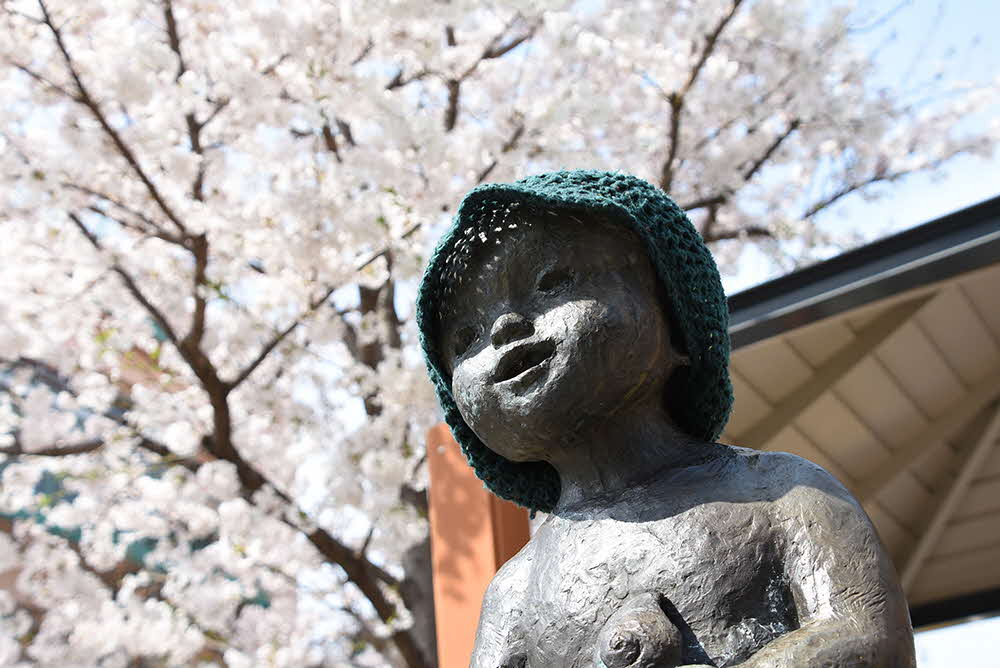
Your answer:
<point x="783" y="471"/>
<point x="510" y="581"/>
<point x="801" y="491"/>
<point x="499" y="638"/>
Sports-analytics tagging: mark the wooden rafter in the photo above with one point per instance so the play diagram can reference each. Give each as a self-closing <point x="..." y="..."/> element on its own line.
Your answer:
<point x="973" y="462"/>
<point x="826" y="375"/>
<point x="958" y="415"/>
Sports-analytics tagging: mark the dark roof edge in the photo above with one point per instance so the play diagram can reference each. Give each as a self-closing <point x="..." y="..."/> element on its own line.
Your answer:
<point x="981" y="603"/>
<point x="953" y="244"/>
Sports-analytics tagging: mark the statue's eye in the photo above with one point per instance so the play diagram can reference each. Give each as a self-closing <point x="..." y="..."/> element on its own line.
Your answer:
<point x="464" y="338"/>
<point x="554" y="280"/>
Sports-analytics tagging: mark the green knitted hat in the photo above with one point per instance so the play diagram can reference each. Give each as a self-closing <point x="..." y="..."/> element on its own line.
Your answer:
<point x="685" y="268"/>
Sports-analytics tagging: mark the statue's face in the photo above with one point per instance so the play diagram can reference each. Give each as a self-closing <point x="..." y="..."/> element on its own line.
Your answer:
<point x="560" y="326"/>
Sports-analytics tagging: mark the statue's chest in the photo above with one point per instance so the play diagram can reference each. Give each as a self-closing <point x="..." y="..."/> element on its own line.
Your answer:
<point x="707" y="573"/>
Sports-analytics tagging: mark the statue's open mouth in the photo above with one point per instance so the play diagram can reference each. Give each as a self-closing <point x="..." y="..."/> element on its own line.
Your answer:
<point x="519" y="360"/>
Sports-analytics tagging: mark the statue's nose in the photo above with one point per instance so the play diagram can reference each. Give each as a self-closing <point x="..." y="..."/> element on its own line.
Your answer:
<point x="510" y="327"/>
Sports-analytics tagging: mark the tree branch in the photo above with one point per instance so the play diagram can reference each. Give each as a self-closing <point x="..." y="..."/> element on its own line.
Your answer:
<point x="84" y="97"/>
<point x="362" y="572"/>
<point x="398" y="81"/>
<point x="129" y="225"/>
<point x="130" y="284"/>
<point x="369" y="45"/>
<point x="281" y="335"/>
<point x="278" y="338"/>
<point x="194" y="126"/>
<point x="198" y="245"/>
<point x="495" y="48"/>
<point x="507" y="147"/>
<point x="194" y="137"/>
<point x="499" y="50"/>
<point x="201" y="366"/>
<point x="757" y="103"/>
<point x="273" y="67"/>
<point x="880" y="176"/>
<point x="711" y="219"/>
<point x="415" y="497"/>
<point x="390" y="319"/>
<point x="39" y="78"/>
<point x="710" y="41"/>
<point x="454" y="87"/>
<point x="357" y="571"/>
<point x="173" y="37"/>
<point x="49" y="376"/>
<point x="704" y="202"/>
<point x="219" y="106"/>
<point x="755" y="167"/>
<point x="330" y="141"/>
<point x="677" y="98"/>
<point x="114" y="578"/>
<point x="381" y="301"/>
<point x="89" y="445"/>
<point x="345" y="131"/>
<point x="364" y="635"/>
<point x="381" y="253"/>
<point x="712" y="202"/>
<point x="124" y="207"/>
<point x="743" y="232"/>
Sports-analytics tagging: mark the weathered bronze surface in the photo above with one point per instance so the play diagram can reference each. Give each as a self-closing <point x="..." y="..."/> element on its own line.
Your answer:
<point x="662" y="550"/>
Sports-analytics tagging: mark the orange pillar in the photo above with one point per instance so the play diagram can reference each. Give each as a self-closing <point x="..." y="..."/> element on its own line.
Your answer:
<point x="472" y="534"/>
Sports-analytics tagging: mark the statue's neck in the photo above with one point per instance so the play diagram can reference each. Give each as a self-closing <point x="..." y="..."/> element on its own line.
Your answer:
<point x="622" y="452"/>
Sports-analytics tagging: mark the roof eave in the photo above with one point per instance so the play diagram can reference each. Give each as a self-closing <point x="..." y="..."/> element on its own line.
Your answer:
<point x="948" y="246"/>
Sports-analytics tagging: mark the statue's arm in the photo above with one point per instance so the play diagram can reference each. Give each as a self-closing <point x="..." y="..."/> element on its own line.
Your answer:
<point x="497" y="642"/>
<point x="851" y="608"/>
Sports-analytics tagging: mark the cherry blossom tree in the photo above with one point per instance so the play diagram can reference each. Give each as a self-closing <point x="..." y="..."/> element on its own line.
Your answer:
<point x="213" y="218"/>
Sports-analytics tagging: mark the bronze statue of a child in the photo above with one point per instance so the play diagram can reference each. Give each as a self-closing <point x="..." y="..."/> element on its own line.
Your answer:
<point x="574" y="325"/>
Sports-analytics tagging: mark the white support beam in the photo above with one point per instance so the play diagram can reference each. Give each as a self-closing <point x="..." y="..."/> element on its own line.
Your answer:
<point x="866" y="340"/>
<point x="974" y="461"/>
<point x="958" y="415"/>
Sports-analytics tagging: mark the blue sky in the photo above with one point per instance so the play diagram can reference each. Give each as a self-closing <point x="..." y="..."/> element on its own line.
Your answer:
<point x="962" y="34"/>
